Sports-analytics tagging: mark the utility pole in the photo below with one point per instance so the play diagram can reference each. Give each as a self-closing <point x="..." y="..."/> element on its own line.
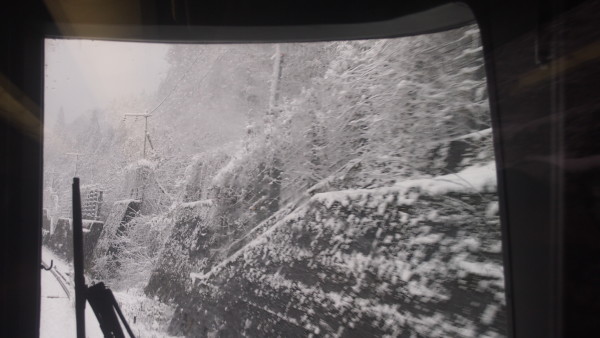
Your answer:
<point x="274" y="91"/>
<point x="146" y="136"/>
<point x="76" y="161"/>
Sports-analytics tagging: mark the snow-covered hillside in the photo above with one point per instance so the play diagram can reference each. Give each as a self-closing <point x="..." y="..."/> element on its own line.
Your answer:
<point x="421" y="257"/>
<point x="325" y="189"/>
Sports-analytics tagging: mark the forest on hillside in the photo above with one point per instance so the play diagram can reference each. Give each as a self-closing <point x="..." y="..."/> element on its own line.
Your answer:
<point x="328" y="188"/>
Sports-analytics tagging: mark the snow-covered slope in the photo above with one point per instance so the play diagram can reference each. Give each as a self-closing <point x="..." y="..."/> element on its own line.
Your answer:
<point x="421" y="257"/>
<point x="122" y="212"/>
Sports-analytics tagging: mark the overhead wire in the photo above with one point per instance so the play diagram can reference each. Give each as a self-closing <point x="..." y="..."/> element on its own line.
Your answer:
<point x="187" y="71"/>
<point x="176" y="84"/>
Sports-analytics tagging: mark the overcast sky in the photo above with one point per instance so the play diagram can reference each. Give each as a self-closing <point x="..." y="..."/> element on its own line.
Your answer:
<point x="82" y="75"/>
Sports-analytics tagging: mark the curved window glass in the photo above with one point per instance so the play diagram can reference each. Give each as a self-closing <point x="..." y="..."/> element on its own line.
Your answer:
<point x="342" y="188"/>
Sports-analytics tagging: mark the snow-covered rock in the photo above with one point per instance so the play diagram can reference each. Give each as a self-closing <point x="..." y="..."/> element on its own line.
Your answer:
<point x="416" y="258"/>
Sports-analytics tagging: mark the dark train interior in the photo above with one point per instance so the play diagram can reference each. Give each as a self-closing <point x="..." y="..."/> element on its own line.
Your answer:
<point x="542" y="62"/>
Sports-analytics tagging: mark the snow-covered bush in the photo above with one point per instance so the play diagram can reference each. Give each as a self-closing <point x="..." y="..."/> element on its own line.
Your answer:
<point x="134" y="252"/>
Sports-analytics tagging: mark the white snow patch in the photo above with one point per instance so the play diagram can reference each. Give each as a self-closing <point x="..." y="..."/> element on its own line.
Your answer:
<point x="472" y="179"/>
<point x="141" y="163"/>
<point x="201" y="203"/>
<point x="472" y="243"/>
<point x="489" y="314"/>
<point x="492" y="209"/>
<point x="482" y="269"/>
<point x="429" y="239"/>
<point x="475" y="178"/>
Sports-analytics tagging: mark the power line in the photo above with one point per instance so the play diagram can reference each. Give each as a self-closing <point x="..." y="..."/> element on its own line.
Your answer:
<point x="176" y="84"/>
<point x="187" y="71"/>
<point x="148" y="114"/>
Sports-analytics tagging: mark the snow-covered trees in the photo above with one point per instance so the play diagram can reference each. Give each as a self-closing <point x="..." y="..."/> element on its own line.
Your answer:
<point x="383" y="107"/>
<point x="244" y="134"/>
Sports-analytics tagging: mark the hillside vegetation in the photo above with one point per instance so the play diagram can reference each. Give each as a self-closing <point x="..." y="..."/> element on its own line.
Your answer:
<point x="326" y="189"/>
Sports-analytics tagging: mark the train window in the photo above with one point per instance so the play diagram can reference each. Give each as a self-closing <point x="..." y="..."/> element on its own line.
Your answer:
<point x="338" y="188"/>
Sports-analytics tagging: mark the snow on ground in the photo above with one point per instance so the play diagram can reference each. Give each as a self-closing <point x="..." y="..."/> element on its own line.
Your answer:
<point x="57" y="315"/>
<point x="147" y="317"/>
<point x="57" y="311"/>
<point x="479" y="178"/>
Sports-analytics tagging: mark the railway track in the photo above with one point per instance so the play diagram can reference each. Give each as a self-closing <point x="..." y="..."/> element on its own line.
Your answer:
<point x="64" y="284"/>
